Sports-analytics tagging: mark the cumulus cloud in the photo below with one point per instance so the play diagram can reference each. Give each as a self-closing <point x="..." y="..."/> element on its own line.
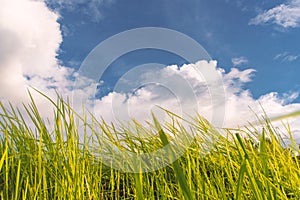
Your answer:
<point x="285" y="56"/>
<point x="239" y="61"/>
<point x="30" y="38"/>
<point x="238" y="101"/>
<point x="285" y="15"/>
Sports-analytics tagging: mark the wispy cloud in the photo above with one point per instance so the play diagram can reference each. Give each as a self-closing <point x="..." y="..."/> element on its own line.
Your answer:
<point x="91" y="8"/>
<point x="285" y="15"/>
<point x="239" y="61"/>
<point x="285" y="56"/>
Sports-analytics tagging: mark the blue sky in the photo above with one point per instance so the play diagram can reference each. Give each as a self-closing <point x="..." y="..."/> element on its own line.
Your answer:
<point x="254" y="46"/>
<point x="222" y="27"/>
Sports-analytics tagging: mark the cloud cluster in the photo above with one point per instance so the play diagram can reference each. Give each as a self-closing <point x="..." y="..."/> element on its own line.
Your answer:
<point x="238" y="101"/>
<point x="284" y="15"/>
<point x="30" y="37"/>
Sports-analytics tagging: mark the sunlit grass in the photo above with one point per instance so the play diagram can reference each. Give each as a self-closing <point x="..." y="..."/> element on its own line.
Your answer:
<point x="39" y="161"/>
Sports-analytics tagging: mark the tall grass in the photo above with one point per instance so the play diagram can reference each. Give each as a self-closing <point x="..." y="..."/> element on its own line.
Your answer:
<point x="39" y="161"/>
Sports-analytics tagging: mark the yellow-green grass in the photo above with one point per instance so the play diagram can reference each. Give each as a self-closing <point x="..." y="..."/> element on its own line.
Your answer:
<point x="53" y="161"/>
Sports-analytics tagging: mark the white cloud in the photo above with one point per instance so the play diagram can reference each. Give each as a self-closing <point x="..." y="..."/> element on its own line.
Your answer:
<point x="242" y="76"/>
<point x="284" y="15"/>
<point x="91" y="8"/>
<point x="239" y="61"/>
<point x="30" y="37"/>
<point x="285" y="56"/>
<point x="124" y="106"/>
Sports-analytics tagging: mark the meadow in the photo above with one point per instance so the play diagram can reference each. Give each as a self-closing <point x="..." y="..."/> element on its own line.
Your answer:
<point x="55" y="161"/>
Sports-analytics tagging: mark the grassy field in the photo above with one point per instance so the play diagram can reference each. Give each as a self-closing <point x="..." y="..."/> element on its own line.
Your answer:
<point x="43" y="161"/>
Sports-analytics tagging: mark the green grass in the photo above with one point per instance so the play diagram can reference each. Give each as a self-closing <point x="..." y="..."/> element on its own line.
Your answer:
<point x="51" y="161"/>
